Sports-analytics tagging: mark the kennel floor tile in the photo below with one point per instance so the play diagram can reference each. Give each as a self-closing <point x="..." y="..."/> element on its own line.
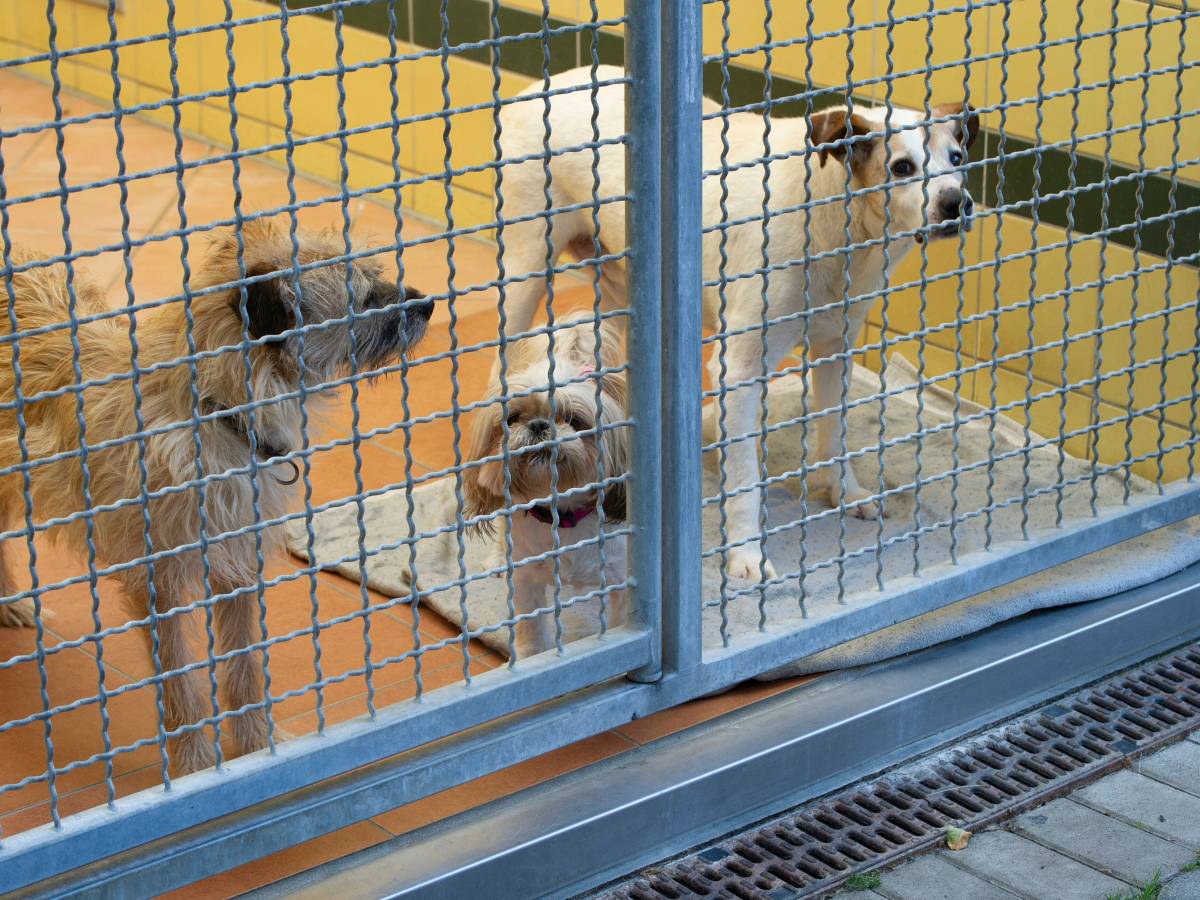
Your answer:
<point x="73" y="801"/>
<point x="75" y="734"/>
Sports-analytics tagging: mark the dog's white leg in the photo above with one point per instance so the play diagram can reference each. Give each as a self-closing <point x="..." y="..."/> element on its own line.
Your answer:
<point x="743" y="406"/>
<point x="527" y="258"/>
<point x="618" y="609"/>
<point x="535" y="635"/>
<point x="827" y="380"/>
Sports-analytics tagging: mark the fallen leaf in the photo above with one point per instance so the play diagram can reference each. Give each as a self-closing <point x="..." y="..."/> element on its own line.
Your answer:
<point x="957" y="838"/>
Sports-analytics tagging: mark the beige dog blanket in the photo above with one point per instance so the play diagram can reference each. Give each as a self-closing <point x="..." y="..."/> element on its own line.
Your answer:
<point x="484" y="602"/>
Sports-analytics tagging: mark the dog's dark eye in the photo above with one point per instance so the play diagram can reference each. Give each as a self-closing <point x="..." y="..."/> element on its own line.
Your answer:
<point x="902" y="168"/>
<point x="513" y="419"/>
<point x="956" y="157"/>
<point x="577" y="423"/>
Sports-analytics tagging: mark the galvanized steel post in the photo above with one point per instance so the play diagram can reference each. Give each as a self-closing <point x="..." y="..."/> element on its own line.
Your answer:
<point x="643" y="120"/>
<point x="663" y="172"/>
<point x="682" y="59"/>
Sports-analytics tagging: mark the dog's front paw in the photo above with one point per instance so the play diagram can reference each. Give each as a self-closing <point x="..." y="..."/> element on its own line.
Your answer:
<point x="535" y="636"/>
<point x="18" y="614"/>
<point x="749" y="564"/>
<point x="857" y="502"/>
<point x="866" y="509"/>
<point x="249" y="730"/>
<point x="192" y="752"/>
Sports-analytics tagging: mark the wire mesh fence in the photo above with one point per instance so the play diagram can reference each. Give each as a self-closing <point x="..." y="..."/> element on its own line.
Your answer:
<point x="351" y="375"/>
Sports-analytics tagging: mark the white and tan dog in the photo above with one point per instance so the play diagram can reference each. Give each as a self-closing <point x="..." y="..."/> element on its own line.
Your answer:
<point x="926" y="198"/>
<point x="569" y="445"/>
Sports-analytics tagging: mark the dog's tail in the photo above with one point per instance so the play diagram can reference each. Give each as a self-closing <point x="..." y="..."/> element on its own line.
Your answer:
<point x="38" y="302"/>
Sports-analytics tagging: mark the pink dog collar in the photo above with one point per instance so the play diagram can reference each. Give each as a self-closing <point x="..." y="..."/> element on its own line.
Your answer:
<point x="568" y="519"/>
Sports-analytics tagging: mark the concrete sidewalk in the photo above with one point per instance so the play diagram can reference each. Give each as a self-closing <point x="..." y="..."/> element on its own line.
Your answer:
<point x="1133" y="834"/>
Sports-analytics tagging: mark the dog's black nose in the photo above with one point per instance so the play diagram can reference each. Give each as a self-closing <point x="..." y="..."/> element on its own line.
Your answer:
<point x="952" y="204"/>
<point x="424" y="309"/>
<point x="540" y="428"/>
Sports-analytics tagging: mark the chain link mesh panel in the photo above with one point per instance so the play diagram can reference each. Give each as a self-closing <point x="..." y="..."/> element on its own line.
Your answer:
<point x="946" y="256"/>
<point x="214" y="347"/>
<point x="914" y="212"/>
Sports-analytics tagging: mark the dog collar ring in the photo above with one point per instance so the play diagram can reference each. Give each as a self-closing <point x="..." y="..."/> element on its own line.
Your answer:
<point x="295" y="472"/>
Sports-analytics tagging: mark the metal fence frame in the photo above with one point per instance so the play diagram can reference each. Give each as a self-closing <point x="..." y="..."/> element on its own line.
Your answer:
<point x="550" y="702"/>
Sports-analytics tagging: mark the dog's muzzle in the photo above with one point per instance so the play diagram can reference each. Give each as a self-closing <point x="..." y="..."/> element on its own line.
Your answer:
<point x="413" y="316"/>
<point x="955" y="209"/>
<point x="422" y="309"/>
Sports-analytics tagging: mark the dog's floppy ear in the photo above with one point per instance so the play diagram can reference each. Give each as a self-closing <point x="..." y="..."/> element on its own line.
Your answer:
<point x="612" y="342"/>
<point x="483" y="486"/>
<point x="614" y="502"/>
<point x="830" y="125"/>
<point x="963" y="115"/>
<point x="616" y="445"/>
<point x="269" y="309"/>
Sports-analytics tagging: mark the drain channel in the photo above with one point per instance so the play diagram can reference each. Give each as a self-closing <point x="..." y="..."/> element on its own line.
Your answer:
<point x="990" y="777"/>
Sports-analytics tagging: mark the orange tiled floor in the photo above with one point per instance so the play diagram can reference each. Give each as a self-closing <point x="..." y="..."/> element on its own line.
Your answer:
<point x="73" y="672"/>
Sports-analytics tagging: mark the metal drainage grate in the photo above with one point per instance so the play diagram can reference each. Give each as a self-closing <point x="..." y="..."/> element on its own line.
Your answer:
<point x="990" y="777"/>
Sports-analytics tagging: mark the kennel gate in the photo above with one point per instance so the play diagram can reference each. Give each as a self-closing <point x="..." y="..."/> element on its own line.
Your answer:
<point x="686" y="639"/>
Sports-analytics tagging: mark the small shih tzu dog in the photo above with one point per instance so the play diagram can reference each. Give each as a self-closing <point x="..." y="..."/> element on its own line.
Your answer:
<point x="580" y="442"/>
<point x="137" y="515"/>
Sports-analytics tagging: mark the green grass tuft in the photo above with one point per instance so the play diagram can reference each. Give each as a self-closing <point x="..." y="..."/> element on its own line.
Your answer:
<point x="867" y="881"/>
<point x="1148" y="890"/>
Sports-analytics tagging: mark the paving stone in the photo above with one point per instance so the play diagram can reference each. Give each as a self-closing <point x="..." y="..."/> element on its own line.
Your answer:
<point x="1149" y="804"/>
<point x="1178" y="765"/>
<point x="1031" y="870"/>
<point x="1185" y="887"/>
<point x="932" y="878"/>
<point x="1102" y="841"/>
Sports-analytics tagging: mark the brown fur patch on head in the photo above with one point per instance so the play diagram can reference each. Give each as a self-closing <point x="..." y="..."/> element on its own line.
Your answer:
<point x="963" y="115"/>
<point x="829" y="126"/>
<point x="270" y="305"/>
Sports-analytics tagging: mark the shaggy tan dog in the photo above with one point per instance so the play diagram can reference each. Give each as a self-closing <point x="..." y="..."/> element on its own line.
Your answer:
<point x="154" y="519"/>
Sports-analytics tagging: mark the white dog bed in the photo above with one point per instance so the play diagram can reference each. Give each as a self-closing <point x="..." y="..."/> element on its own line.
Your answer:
<point x="1130" y="564"/>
